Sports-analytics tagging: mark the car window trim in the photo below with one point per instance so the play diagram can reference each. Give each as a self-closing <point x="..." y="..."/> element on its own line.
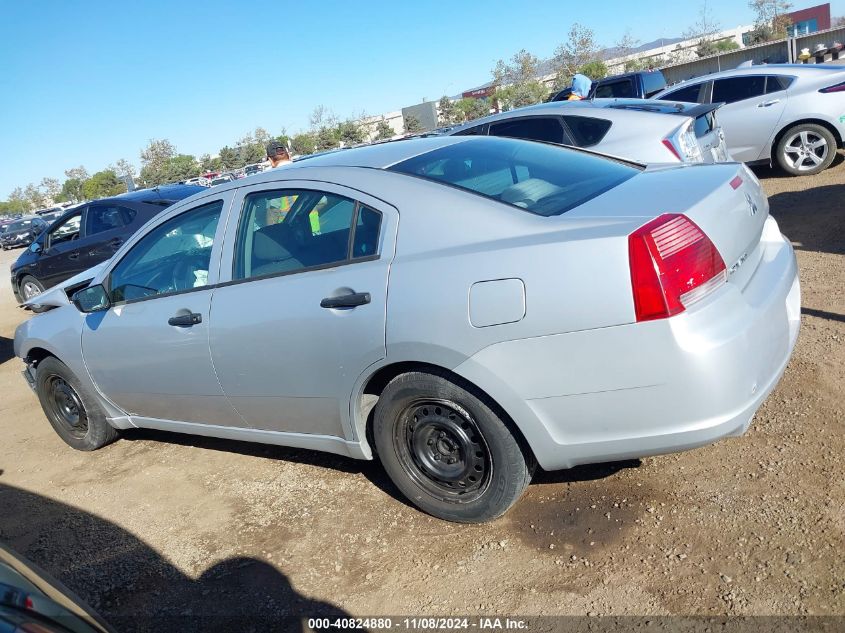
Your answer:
<point x="106" y="282"/>
<point x="349" y="246"/>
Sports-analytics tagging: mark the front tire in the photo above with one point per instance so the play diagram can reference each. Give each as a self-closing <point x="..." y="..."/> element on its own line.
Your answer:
<point x="30" y="287"/>
<point x="806" y="149"/>
<point x="447" y="450"/>
<point x="71" y="409"/>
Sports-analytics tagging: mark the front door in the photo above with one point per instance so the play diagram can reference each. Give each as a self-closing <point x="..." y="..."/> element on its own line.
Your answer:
<point x="148" y="353"/>
<point x="61" y="258"/>
<point x="304" y="312"/>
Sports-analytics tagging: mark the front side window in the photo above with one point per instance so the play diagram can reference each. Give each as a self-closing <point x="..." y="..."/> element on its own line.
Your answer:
<point x="733" y="89"/>
<point x="542" y="179"/>
<point x="66" y="231"/>
<point x="547" y="129"/>
<point x="286" y="231"/>
<point x="173" y="257"/>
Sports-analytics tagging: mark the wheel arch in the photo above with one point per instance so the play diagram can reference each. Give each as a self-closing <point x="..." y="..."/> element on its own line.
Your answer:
<point x="374" y="385"/>
<point x="840" y="141"/>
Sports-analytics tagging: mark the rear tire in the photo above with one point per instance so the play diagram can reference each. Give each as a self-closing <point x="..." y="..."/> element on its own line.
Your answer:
<point x="805" y="149"/>
<point x="72" y="410"/>
<point x="447" y="450"/>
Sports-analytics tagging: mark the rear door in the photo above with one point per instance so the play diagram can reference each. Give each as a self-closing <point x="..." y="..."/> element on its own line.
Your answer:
<point x="303" y="312"/>
<point x="105" y="227"/>
<point x="749" y="116"/>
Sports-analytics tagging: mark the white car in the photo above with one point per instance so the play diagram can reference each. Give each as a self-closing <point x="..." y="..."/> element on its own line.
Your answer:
<point x="635" y="129"/>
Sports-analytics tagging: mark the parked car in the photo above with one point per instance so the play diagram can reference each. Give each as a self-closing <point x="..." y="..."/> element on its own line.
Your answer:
<point x="222" y="179"/>
<point x="86" y="235"/>
<point x="789" y="114"/>
<point x="22" y="232"/>
<point x="536" y="304"/>
<point x="635" y="129"/>
<point x="641" y="84"/>
<point x="33" y="601"/>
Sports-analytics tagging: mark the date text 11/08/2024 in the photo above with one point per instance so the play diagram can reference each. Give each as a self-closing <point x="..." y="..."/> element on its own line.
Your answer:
<point x="423" y="623"/>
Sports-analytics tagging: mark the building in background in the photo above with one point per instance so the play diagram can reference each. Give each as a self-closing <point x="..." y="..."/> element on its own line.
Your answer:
<point x="809" y="20"/>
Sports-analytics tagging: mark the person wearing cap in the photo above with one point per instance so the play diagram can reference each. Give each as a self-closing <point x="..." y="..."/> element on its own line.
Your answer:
<point x="581" y="85"/>
<point x="277" y="154"/>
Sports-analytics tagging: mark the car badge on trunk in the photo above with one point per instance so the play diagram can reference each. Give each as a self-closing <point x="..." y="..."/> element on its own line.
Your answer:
<point x="752" y="207"/>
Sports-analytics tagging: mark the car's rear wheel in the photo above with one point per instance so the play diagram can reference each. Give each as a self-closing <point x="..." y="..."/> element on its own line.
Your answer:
<point x="447" y="450"/>
<point x="806" y="149"/>
<point x="71" y="409"/>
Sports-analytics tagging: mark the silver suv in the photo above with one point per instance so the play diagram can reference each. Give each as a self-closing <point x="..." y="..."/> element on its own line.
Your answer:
<point x="789" y="114"/>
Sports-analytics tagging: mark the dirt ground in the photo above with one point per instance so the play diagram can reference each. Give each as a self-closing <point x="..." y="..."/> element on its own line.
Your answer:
<point x="170" y="525"/>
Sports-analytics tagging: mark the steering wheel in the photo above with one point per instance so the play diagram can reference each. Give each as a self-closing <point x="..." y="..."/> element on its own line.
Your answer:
<point x="182" y="276"/>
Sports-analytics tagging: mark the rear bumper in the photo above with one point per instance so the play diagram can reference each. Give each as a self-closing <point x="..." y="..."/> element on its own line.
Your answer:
<point x="655" y="387"/>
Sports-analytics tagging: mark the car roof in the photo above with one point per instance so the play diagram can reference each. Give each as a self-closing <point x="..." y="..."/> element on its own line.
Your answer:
<point x="162" y="192"/>
<point x="611" y="109"/>
<point x="797" y="70"/>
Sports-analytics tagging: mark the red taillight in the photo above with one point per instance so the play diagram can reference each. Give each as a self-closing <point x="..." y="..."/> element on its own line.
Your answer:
<point x="673" y="265"/>
<point x="836" y="88"/>
<point x="672" y="149"/>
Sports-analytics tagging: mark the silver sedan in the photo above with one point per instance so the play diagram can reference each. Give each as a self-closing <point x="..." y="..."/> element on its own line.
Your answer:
<point x="792" y="115"/>
<point x="463" y="308"/>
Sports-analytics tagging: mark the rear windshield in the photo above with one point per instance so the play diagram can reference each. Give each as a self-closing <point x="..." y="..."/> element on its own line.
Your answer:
<point x="537" y="177"/>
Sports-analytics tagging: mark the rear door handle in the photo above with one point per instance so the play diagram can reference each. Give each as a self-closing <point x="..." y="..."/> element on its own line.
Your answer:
<point x="766" y="104"/>
<point x="73" y="255"/>
<point x="185" y="320"/>
<point x="115" y="242"/>
<point x="346" y="301"/>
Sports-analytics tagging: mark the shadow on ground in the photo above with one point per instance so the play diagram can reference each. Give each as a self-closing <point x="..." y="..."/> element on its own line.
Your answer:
<point x="813" y="219"/>
<point x="134" y="588"/>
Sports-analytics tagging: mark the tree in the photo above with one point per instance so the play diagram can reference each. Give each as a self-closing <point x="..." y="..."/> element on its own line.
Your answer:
<point x="703" y="31"/>
<point x="448" y="114"/>
<point x="412" y="124"/>
<point x="579" y="49"/>
<point x="181" y="167"/>
<point x="350" y="133"/>
<point x="383" y="131"/>
<point x="72" y="191"/>
<point x="207" y="163"/>
<point x="103" y="184"/>
<point x="473" y="108"/>
<point x="771" y="21"/>
<point x="79" y="173"/>
<point x="322" y="117"/>
<point x="304" y="143"/>
<point x="516" y="81"/>
<point x="154" y="159"/>
<point x="51" y="188"/>
<point x="34" y="197"/>
<point x="18" y="201"/>
<point x="229" y="157"/>
<point x="326" y="138"/>
<point x="594" y="70"/>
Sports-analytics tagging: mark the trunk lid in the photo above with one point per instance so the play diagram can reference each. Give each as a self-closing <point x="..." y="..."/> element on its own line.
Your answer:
<point x="725" y="200"/>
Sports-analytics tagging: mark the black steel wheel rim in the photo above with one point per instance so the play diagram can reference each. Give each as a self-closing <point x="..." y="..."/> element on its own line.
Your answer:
<point x="441" y="447"/>
<point x="65" y="407"/>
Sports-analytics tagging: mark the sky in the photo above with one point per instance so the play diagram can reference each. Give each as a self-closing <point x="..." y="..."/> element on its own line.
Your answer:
<point x="90" y="82"/>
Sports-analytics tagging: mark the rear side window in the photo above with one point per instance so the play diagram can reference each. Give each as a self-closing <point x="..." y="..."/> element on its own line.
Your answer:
<point x="615" y="89"/>
<point x="473" y="131"/>
<point x="733" y="89"/>
<point x="102" y="218"/>
<point x="688" y="94"/>
<point x="585" y="130"/>
<point x="538" y="178"/>
<point x="548" y="129"/>
<point x="776" y="84"/>
<point x="653" y="82"/>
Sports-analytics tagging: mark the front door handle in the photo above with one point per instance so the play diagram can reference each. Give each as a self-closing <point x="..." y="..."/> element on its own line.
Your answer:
<point x="766" y="104"/>
<point x="115" y="242"/>
<point x="346" y="301"/>
<point x="185" y="320"/>
<point x="73" y="255"/>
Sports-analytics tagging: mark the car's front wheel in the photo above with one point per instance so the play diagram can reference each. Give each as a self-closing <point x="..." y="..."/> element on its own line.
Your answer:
<point x="447" y="450"/>
<point x="73" y="411"/>
<point x="806" y="149"/>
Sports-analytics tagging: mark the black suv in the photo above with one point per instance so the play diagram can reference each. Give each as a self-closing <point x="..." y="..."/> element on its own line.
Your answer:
<point x="642" y="84"/>
<point x="88" y="234"/>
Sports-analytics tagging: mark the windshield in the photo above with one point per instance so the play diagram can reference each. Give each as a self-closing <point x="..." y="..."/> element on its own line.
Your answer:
<point x="21" y="225"/>
<point x="540" y="178"/>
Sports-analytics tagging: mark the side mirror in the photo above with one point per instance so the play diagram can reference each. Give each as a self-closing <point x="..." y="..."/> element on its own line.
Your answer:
<point x="91" y="299"/>
<point x="35" y="247"/>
